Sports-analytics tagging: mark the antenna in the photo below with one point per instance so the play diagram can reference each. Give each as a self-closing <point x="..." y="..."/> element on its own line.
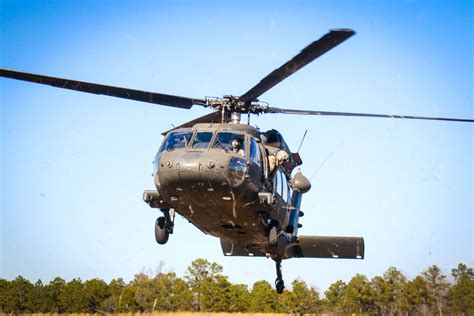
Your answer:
<point x="320" y="166"/>
<point x="302" y="141"/>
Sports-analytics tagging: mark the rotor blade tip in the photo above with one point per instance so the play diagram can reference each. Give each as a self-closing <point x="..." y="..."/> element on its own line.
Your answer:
<point x="344" y="30"/>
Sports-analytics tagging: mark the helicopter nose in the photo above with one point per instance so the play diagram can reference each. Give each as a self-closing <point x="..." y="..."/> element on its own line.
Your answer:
<point x="189" y="165"/>
<point x="206" y="178"/>
<point x="191" y="170"/>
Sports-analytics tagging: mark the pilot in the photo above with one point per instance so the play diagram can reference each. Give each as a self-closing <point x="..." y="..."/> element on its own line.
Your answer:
<point x="236" y="143"/>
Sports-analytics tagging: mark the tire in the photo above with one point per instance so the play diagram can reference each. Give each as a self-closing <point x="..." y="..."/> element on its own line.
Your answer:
<point x="280" y="286"/>
<point x="161" y="233"/>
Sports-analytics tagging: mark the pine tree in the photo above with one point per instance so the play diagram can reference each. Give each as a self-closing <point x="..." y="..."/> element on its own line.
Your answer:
<point x="437" y="288"/>
<point x="302" y="299"/>
<point x="358" y="295"/>
<point x="335" y="296"/>
<point x="461" y="296"/>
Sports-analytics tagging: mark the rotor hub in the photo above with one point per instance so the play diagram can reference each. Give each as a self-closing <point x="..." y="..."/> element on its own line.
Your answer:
<point x="231" y="104"/>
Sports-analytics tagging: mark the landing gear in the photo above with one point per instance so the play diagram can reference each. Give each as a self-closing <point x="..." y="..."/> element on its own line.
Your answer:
<point x="161" y="233"/>
<point x="279" y="283"/>
<point x="164" y="226"/>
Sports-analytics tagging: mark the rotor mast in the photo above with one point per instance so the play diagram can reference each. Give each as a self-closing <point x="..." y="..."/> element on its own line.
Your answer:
<point x="235" y="118"/>
<point x="229" y="107"/>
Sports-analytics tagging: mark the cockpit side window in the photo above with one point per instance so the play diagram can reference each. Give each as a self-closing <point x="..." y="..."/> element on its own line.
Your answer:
<point x="230" y="142"/>
<point x="202" y="140"/>
<point x="176" y="140"/>
<point x="280" y="185"/>
<point x="277" y="185"/>
<point x="254" y="151"/>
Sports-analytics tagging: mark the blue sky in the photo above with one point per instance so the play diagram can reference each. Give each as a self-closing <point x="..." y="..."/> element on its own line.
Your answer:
<point x="74" y="165"/>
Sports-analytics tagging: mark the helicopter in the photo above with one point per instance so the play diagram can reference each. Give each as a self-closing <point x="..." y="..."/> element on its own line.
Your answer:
<point x="229" y="179"/>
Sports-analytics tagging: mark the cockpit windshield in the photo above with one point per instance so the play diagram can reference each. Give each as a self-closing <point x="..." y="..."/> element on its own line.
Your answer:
<point x="176" y="140"/>
<point x="230" y="142"/>
<point x="202" y="140"/>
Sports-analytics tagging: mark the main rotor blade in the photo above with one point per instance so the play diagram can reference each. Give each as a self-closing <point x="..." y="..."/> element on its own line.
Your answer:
<point x="325" y="113"/>
<point x="124" y="93"/>
<point x="307" y="55"/>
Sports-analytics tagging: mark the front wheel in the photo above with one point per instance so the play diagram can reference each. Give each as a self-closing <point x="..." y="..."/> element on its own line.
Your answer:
<point x="161" y="232"/>
<point x="280" y="286"/>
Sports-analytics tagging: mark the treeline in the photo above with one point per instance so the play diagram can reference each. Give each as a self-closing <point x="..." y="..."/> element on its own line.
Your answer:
<point x="205" y="288"/>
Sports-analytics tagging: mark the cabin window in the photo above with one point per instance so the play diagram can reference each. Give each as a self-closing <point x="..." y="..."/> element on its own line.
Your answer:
<point x="254" y="151"/>
<point x="230" y="142"/>
<point x="278" y="183"/>
<point x="176" y="140"/>
<point x="264" y="161"/>
<point x="284" y="183"/>
<point x="202" y="140"/>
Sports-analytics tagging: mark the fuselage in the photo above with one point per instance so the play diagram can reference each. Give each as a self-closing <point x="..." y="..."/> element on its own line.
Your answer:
<point x="200" y="175"/>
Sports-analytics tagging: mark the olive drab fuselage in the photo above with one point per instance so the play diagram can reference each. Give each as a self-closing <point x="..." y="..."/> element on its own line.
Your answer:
<point x="216" y="188"/>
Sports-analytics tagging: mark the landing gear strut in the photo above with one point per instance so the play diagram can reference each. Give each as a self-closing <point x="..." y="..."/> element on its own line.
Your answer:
<point x="279" y="283"/>
<point x="164" y="226"/>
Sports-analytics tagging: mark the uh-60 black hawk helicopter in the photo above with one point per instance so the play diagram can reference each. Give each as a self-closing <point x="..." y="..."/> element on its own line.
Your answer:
<point x="231" y="180"/>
